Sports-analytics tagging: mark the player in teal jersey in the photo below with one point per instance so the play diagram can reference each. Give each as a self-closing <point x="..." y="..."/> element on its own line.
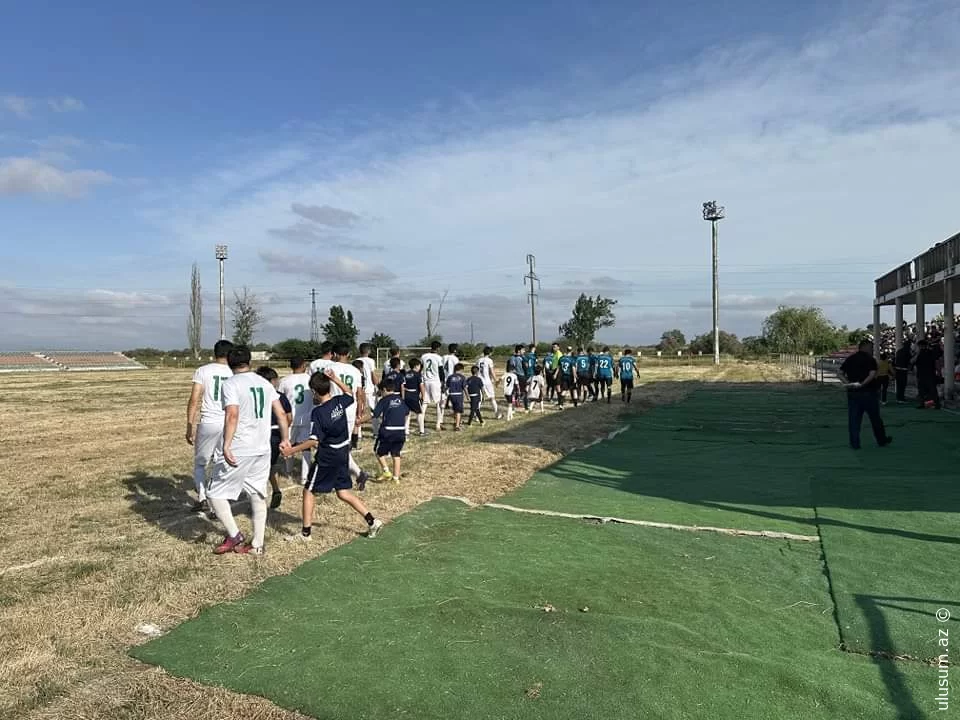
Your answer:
<point x="604" y="373"/>
<point x="566" y="377"/>
<point x="626" y="369"/>
<point x="584" y="376"/>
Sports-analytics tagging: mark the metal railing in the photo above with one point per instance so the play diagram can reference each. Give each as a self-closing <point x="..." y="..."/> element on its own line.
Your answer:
<point x="821" y="369"/>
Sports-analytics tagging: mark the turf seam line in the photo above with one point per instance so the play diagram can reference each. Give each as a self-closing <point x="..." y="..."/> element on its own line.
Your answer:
<point x="29" y="565"/>
<point x="829" y="576"/>
<point x="771" y="534"/>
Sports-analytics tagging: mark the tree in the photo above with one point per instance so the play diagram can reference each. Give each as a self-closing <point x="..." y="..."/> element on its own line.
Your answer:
<point x="755" y="346"/>
<point x="433" y="322"/>
<point x="247" y="316"/>
<point x="195" y="319"/>
<point x="340" y="327"/>
<point x="729" y="344"/>
<point x="590" y="315"/>
<point x="673" y="340"/>
<point x="800" y="330"/>
<point x="382" y="340"/>
<point x="428" y="340"/>
<point x="294" y="347"/>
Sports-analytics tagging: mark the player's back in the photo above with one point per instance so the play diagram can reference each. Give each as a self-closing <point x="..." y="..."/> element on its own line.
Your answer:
<point x="535" y="387"/>
<point x="348" y="375"/>
<point x="474" y="385"/>
<point x="509" y="383"/>
<point x="330" y="421"/>
<point x="393" y="411"/>
<point x="583" y="364"/>
<point x="431" y="363"/>
<point x="455" y="383"/>
<point x="565" y="365"/>
<point x="253" y="396"/>
<point x="449" y="363"/>
<point x="412" y="380"/>
<point x="531" y="360"/>
<point x="320" y="365"/>
<point x="211" y="377"/>
<point x="486" y="368"/>
<point x="604" y="366"/>
<point x="369" y="367"/>
<point x="628" y="365"/>
<point x="296" y="388"/>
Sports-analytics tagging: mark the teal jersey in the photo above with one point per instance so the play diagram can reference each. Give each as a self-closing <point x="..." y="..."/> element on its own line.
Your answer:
<point x="566" y="366"/>
<point x="605" y="366"/>
<point x="548" y="362"/>
<point x="628" y="364"/>
<point x="583" y="365"/>
<point x="531" y="358"/>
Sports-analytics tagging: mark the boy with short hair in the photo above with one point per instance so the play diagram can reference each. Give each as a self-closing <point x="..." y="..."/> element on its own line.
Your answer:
<point x="243" y="461"/>
<point x="583" y="376"/>
<point x="412" y="392"/>
<point x="489" y="378"/>
<point x="325" y="360"/>
<point x="392" y="373"/>
<point x="433" y="375"/>
<point x="511" y="387"/>
<point x="206" y="435"/>
<point x="604" y="373"/>
<point x="270" y="375"/>
<point x="296" y="388"/>
<point x="536" y="387"/>
<point x="550" y="368"/>
<point x="530" y="366"/>
<point x="353" y="380"/>
<point x="330" y="440"/>
<point x="370" y="380"/>
<point x="393" y="412"/>
<point x="456" y="385"/>
<point x="566" y="380"/>
<point x="474" y="387"/>
<point x="626" y="369"/>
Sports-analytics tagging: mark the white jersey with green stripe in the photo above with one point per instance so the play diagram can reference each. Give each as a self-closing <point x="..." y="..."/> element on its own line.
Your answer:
<point x="211" y="377"/>
<point x="297" y="389"/>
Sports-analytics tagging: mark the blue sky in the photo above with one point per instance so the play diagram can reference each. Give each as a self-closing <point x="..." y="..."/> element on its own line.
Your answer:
<point x="384" y="154"/>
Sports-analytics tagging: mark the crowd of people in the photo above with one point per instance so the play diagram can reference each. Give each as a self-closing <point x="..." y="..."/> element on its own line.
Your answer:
<point x="317" y="414"/>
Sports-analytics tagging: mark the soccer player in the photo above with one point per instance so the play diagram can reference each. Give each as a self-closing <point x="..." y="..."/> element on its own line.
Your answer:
<point x="604" y="376"/>
<point x="370" y="380"/>
<point x="566" y="380"/>
<point x="270" y="375"/>
<point x="474" y="387"/>
<point x="367" y="404"/>
<point x="243" y="462"/>
<point x="393" y="373"/>
<point x="450" y="361"/>
<point x="353" y="379"/>
<point x="455" y="386"/>
<point x="536" y="387"/>
<point x="394" y="353"/>
<point x="489" y="378"/>
<point x="627" y="368"/>
<point x="412" y="391"/>
<point x="584" y="378"/>
<point x="296" y="388"/>
<point x="511" y="386"/>
<point x="433" y="376"/>
<point x="551" y="365"/>
<point x="516" y="365"/>
<point x="206" y="395"/>
<point x="530" y="365"/>
<point x="392" y="432"/>
<point x="330" y="440"/>
<point x="325" y="360"/>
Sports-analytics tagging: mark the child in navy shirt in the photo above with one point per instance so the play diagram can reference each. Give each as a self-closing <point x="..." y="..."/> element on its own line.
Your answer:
<point x="412" y="392"/>
<point x="393" y="413"/>
<point x="456" y="385"/>
<point x="330" y="442"/>
<point x="474" y="387"/>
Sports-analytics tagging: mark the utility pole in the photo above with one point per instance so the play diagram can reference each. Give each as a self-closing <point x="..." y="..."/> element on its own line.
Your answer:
<point x="314" y="325"/>
<point x="531" y="276"/>
<point x="221" y="255"/>
<point x="471" y="333"/>
<point x="713" y="214"/>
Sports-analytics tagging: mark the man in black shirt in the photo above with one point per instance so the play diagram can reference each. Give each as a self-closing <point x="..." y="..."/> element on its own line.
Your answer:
<point x="926" y="366"/>
<point x="859" y="373"/>
<point x="901" y="365"/>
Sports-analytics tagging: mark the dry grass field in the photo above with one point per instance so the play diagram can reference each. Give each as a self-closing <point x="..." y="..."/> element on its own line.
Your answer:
<point x="95" y="537"/>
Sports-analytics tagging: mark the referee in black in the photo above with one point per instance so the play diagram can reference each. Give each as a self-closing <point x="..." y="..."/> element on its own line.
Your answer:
<point x="859" y="374"/>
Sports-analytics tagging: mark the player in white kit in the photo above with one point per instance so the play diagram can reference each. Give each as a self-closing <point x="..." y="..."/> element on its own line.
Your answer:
<point x="489" y="377"/>
<point x="432" y="365"/>
<point x="510" y="387"/>
<point x="370" y="383"/>
<point x="449" y="364"/>
<point x="296" y="387"/>
<point x="353" y="379"/>
<point x="243" y="460"/>
<point x="537" y="387"/>
<point x="206" y="436"/>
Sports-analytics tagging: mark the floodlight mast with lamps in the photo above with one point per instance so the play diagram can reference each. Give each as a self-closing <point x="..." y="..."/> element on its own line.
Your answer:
<point x="713" y="214"/>
<point x="221" y="255"/>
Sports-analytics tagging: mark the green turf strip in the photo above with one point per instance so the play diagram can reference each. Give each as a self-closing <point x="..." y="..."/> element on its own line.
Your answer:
<point x="437" y="618"/>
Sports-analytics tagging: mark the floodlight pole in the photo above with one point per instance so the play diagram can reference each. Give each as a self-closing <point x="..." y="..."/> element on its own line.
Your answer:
<point x="221" y="255"/>
<point x="714" y="214"/>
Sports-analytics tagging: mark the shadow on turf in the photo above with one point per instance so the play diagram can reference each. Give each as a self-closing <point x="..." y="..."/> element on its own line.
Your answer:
<point x="163" y="500"/>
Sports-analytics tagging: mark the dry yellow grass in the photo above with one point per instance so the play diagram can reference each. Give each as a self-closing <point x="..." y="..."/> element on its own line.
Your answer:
<point x="95" y="537"/>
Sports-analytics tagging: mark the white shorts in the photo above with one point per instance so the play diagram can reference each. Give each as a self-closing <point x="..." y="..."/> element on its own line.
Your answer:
<point x="299" y="434"/>
<point x="488" y="389"/>
<point x="371" y="399"/>
<point x="432" y="392"/>
<point x="207" y="441"/>
<point x="251" y="475"/>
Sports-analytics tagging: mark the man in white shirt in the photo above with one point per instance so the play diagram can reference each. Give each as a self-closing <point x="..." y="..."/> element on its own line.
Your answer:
<point x="432" y="365"/>
<point x="370" y="381"/>
<point x="243" y="461"/>
<point x="449" y="362"/>
<point x="353" y="379"/>
<point x="296" y="387"/>
<point x="325" y="360"/>
<point x="206" y="436"/>
<point x="489" y="377"/>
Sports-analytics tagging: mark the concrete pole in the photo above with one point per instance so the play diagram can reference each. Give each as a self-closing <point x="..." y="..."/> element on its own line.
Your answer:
<point x="223" y="335"/>
<point x="948" y="339"/>
<point x="876" y="331"/>
<point x="921" y="316"/>
<point x="716" y="299"/>
<point x="898" y="321"/>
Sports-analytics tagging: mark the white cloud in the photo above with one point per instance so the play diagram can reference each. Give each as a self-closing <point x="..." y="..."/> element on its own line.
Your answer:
<point x="326" y="215"/>
<point x="24" y="176"/>
<point x="65" y="103"/>
<point x="15" y="104"/>
<point x="339" y="269"/>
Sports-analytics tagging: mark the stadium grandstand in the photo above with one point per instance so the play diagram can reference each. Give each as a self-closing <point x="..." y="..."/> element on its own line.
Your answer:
<point x="66" y="361"/>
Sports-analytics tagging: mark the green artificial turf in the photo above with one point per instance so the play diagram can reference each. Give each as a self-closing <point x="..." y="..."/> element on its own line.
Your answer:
<point x="442" y="617"/>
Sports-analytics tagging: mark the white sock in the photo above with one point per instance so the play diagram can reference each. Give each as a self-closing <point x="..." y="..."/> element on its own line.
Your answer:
<point x="439" y="414"/>
<point x="259" y="507"/>
<point x="509" y="411"/>
<point x="420" y="420"/>
<point x="224" y="515"/>
<point x="408" y="423"/>
<point x="354" y="468"/>
<point x="200" y="478"/>
<point x="305" y="462"/>
<point x="494" y="401"/>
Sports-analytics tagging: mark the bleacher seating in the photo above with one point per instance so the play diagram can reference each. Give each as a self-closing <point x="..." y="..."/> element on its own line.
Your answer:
<point x="69" y="360"/>
<point x="15" y="361"/>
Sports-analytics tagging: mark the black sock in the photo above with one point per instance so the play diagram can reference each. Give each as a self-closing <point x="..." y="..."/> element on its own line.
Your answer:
<point x="369" y="518"/>
<point x="306" y="531"/>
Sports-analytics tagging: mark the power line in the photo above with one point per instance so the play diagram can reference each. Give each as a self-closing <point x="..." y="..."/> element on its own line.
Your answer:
<point x="531" y="276"/>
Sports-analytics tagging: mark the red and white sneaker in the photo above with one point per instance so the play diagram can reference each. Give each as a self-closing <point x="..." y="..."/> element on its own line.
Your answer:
<point x="249" y="550"/>
<point x="228" y="544"/>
